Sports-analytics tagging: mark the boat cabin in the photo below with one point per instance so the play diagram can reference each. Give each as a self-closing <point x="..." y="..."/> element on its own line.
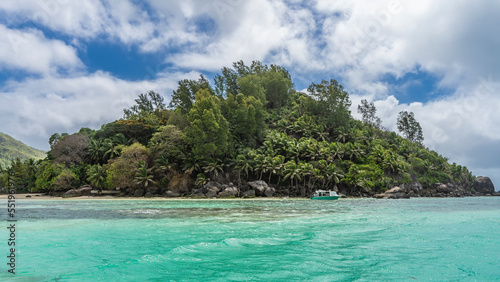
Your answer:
<point x="323" y="193"/>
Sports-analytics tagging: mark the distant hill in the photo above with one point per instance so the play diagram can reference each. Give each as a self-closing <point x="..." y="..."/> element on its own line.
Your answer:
<point x="10" y="149"/>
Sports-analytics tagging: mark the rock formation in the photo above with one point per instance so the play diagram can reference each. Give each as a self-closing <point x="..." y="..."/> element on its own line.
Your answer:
<point x="484" y="185"/>
<point x="259" y="187"/>
<point x="82" y="191"/>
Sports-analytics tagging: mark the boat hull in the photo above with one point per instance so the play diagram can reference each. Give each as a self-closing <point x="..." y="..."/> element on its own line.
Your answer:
<point x="326" y="198"/>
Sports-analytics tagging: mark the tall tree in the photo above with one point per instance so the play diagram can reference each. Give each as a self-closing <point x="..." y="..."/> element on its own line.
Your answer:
<point x="56" y="137"/>
<point x="227" y="82"/>
<point x="208" y="133"/>
<point x="277" y="84"/>
<point x="184" y="97"/>
<point x="246" y="117"/>
<point x="331" y="102"/>
<point x="409" y="127"/>
<point x="146" y="104"/>
<point x="368" y="111"/>
<point x="73" y="149"/>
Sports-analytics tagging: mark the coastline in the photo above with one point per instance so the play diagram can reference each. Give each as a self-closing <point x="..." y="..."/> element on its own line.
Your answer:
<point x="41" y="196"/>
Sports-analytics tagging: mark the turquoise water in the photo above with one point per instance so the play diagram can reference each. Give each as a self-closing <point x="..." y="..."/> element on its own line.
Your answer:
<point x="275" y="240"/>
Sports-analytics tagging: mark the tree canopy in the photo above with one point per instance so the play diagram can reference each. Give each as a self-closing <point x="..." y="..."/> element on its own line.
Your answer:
<point x="409" y="127"/>
<point x="252" y="124"/>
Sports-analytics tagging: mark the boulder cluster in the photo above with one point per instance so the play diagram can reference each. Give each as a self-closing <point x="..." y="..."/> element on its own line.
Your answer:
<point x="482" y="187"/>
<point x="214" y="189"/>
<point x="82" y="191"/>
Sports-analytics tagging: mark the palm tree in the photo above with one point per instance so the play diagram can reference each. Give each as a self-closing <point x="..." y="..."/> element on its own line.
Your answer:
<point x="201" y="179"/>
<point x="332" y="173"/>
<point x="267" y="166"/>
<point x="313" y="150"/>
<point x="120" y="139"/>
<point x="342" y="134"/>
<point x="95" y="150"/>
<point x="191" y="165"/>
<point x="243" y="164"/>
<point x="356" y="135"/>
<point x="321" y="133"/>
<point x="429" y="165"/>
<point x="337" y="151"/>
<point x="307" y="171"/>
<point x="276" y="167"/>
<point x="292" y="172"/>
<point x="317" y="175"/>
<point x="392" y="163"/>
<point x="162" y="163"/>
<point x="214" y="167"/>
<point x="292" y="149"/>
<point x="378" y="153"/>
<point x="260" y="164"/>
<point x="143" y="175"/>
<point x="96" y="176"/>
<point x="110" y="150"/>
<point x="353" y="150"/>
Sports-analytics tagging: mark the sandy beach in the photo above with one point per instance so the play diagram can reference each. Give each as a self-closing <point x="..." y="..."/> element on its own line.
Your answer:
<point x="41" y="196"/>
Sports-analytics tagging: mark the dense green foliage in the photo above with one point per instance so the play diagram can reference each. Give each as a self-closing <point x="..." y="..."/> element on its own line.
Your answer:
<point x="11" y="149"/>
<point x="252" y="125"/>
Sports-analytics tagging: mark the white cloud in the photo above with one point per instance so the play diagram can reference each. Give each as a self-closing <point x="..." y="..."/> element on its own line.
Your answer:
<point x="257" y="30"/>
<point x="28" y="50"/>
<point x="34" y="109"/>
<point x="83" y="19"/>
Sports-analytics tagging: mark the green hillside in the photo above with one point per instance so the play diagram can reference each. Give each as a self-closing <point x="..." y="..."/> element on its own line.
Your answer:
<point x="251" y="126"/>
<point x="10" y="149"/>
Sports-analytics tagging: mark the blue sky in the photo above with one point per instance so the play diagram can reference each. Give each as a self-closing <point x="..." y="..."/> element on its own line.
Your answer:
<point x="66" y="64"/>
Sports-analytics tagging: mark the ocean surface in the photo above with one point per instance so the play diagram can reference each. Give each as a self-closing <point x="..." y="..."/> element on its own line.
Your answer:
<point x="426" y="239"/>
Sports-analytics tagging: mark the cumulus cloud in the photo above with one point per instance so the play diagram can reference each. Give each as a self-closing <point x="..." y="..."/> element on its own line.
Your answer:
<point x="34" y="109"/>
<point x="29" y="50"/>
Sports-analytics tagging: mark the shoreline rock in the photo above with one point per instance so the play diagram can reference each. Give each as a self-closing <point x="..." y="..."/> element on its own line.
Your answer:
<point x="483" y="184"/>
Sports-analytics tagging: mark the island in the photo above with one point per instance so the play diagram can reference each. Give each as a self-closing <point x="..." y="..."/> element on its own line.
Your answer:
<point x="248" y="134"/>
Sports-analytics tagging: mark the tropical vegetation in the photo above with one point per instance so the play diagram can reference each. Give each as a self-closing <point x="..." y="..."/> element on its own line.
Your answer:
<point x="250" y="124"/>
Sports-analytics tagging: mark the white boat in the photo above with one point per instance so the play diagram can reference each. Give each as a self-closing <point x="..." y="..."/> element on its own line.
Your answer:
<point x="325" y="195"/>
